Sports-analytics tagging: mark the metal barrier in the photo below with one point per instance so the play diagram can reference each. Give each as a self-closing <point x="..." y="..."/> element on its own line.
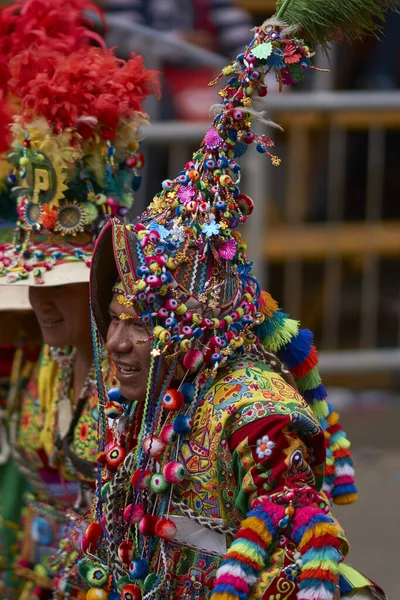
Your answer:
<point x="281" y="238"/>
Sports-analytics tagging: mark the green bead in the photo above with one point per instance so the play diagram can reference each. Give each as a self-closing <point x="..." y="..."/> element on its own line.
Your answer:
<point x="123" y="581"/>
<point x="97" y="576"/>
<point x="158" y="484"/>
<point x="84" y="566"/>
<point x="150" y="582"/>
<point x="105" y="489"/>
<point x="24" y="160"/>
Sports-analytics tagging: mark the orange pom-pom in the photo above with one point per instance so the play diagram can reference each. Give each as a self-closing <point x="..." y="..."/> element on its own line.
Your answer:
<point x="49" y="217"/>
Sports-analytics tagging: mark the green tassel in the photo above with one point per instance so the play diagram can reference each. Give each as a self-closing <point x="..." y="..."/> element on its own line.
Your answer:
<point x="320" y="409"/>
<point x="310" y="381"/>
<point x="282" y="335"/>
<point x="323" y="21"/>
<point x="297" y="73"/>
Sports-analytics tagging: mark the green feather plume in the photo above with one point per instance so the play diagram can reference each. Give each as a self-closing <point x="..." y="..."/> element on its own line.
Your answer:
<point x="324" y="21"/>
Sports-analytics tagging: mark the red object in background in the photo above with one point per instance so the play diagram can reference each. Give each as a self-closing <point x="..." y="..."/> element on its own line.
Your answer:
<point x="189" y="92"/>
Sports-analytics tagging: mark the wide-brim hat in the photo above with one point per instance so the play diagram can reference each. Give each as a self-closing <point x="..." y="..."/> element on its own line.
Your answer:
<point x="14" y="298"/>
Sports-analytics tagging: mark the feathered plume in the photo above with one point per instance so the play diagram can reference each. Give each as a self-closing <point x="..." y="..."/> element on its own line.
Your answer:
<point x="90" y="90"/>
<point x="322" y="21"/>
<point x="55" y="25"/>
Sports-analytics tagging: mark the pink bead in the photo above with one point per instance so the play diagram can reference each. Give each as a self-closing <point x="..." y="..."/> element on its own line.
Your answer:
<point x="167" y="434"/>
<point x="165" y="529"/>
<point x="6" y="261"/>
<point x="125" y="552"/>
<point x="148" y="525"/>
<point x="28" y="267"/>
<point x="133" y="513"/>
<point x="174" y="472"/>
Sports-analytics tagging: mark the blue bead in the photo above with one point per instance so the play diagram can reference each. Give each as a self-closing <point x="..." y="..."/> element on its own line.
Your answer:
<point x="187" y="390"/>
<point x="38" y="253"/>
<point x="136" y="182"/>
<point x="261" y="148"/>
<point x="114" y="393"/>
<point x="56" y="255"/>
<point x="222" y="163"/>
<point x="168" y="184"/>
<point x="139" y="568"/>
<point x="182" y="424"/>
<point x="79" y="253"/>
<point x="142" y="271"/>
<point x="198" y="332"/>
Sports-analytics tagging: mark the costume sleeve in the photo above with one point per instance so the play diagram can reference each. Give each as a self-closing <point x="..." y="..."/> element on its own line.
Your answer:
<point x="279" y="462"/>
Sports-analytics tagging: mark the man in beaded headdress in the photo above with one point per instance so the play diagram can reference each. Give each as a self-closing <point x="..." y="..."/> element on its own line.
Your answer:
<point x="215" y="477"/>
<point x="74" y="164"/>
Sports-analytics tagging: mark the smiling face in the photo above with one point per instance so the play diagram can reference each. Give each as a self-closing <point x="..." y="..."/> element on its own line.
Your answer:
<point x="129" y="347"/>
<point x="63" y="313"/>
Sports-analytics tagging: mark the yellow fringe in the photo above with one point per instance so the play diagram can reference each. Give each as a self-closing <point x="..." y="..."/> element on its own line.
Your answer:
<point x="333" y="418"/>
<point x="241" y="548"/>
<point x="318" y="530"/>
<point x="345" y="499"/>
<point x="258" y="526"/>
<point x="341" y="443"/>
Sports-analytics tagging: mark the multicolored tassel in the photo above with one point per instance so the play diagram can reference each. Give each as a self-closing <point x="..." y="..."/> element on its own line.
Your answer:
<point x="249" y="553"/>
<point x="295" y="348"/>
<point x="317" y="537"/>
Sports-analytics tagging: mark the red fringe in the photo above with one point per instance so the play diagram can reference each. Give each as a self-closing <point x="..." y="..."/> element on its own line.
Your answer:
<point x="320" y="542"/>
<point x="244" y="559"/>
<point x="335" y="428"/>
<point x="305" y="367"/>
<point x="341" y="453"/>
<point x="252" y="536"/>
<point x="323" y="574"/>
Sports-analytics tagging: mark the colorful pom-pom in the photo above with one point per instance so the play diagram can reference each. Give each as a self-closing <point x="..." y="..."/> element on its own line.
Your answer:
<point x="193" y="360"/>
<point x="114" y="410"/>
<point x="147" y="525"/>
<point x="153" y="445"/>
<point x="158" y="484"/>
<point x="133" y="513"/>
<point x="187" y="390"/>
<point x="174" y="472"/>
<point x="131" y="592"/>
<point x="167" y="434"/>
<point x="182" y="424"/>
<point x="125" y="551"/>
<point x="114" y="394"/>
<point x="165" y="529"/>
<point x="115" y="457"/>
<point x="138" y="568"/>
<point x="141" y="479"/>
<point x="91" y="538"/>
<point x="97" y="576"/>
<point x="173" y="400"/>
<point x="96" y="594"/>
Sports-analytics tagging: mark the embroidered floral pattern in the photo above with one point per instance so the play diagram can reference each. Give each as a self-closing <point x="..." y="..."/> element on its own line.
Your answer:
<point x="264" y="447"/>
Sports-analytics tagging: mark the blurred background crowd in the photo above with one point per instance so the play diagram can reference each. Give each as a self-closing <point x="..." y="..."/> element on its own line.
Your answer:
<point x="327" y="236"/>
